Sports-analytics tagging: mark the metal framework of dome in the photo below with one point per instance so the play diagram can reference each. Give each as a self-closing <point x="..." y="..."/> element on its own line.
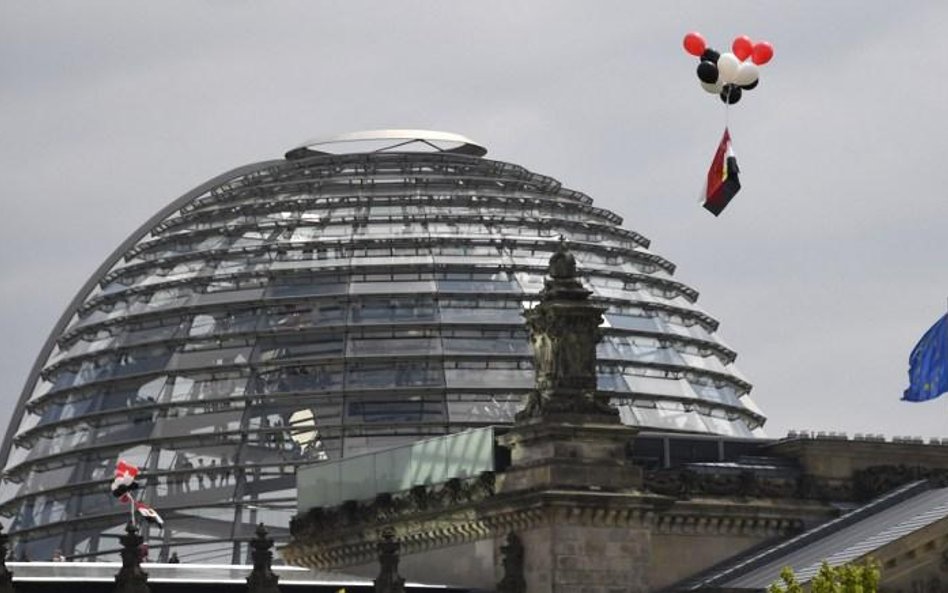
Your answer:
<point x="324" y="305"/>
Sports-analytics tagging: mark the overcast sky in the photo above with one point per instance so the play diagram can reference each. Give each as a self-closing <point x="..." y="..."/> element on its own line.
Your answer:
<point x="824" y="271"/>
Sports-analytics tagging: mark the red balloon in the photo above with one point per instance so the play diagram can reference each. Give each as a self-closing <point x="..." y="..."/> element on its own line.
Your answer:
<point x="694" y="43"/>
<point x="763" y="51"/>
<point x="742" y="47"/>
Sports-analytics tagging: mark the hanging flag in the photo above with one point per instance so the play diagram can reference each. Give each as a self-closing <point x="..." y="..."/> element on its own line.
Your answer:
<point x="723" y="182"/>
<point x="149" y="514"/>
<point x="124" y="482"/>
<point x="928" y="364"/>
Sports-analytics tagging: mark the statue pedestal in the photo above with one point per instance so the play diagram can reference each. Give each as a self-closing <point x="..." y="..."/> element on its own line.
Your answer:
<point x="572" y="452"/>
<point x="572" y="470"/>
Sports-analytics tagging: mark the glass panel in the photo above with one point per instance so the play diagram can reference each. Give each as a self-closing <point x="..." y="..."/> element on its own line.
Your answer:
<point x="487" y="345"/>
<point x="311" y="346"/>
<point x="301" y="378"/>
<point x="484" y="315"/>
<point x="386" y="346"/>
<point x="649" y="324"/>
<point x="485" y="409"/>
<point x="394" y="310"/>
<point x="303" y="316"/>
<point x="315" y="286"/>
<point x="392" y="410"/>
<point x="394" y="374"/>
<point x="502" y="378"/>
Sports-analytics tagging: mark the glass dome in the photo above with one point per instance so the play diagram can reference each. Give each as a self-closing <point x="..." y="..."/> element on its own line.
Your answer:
<point x="321" y="306"/>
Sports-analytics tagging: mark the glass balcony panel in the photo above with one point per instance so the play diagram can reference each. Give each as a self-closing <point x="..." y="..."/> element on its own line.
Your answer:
<point x="512" y="317"/>
<point x="613" y="381"/>
<point x="315" y="287"/>
<point x="228" y="295"/>
<point x="303" y="316"/>
<point x="394" y="410"/>
<point x="307" y="378"/>
<point x="320" y="345"/>
<point x="384" y="346"/>
<point x="648" y="324"/>
<point x="656" y="385"/>
<point x="209" y="358"/>
<point x="709" y="392"/>
<point x="487" y="345"/>
<point x="497" y="409"/>
<point x="210" y="422"/>
<point x="505" y="378"/>
<point x="393" y="311"/>
<point x="478" y="286"/>
<point x="735" y="428"/>
<point x="388" y="287"/>
<point x="401" y="374"/>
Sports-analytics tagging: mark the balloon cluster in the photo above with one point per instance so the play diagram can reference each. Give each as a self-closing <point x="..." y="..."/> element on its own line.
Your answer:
<point x="728" y="75"/>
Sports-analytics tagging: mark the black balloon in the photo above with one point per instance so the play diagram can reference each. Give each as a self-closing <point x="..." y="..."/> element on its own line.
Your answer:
<point x="751" y="86"/>
<point x="708" y="72"/>
<point x="710" y="55"/>
<point x="731" y="93"/>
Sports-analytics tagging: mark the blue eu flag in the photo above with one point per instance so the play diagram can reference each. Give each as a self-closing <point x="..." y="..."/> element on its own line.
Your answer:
<point x="928" y="364"/>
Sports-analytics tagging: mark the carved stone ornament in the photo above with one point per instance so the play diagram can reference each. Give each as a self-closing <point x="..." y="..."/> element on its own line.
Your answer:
<point x="564" y="330"/>
<point x="877" y="480"/>
<point x="865" y="484"/>
<point x="322" y="524"/>
<point x="262" y="579"/>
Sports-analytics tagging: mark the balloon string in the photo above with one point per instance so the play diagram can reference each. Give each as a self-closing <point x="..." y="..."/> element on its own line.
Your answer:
<point x="727" y="108"/>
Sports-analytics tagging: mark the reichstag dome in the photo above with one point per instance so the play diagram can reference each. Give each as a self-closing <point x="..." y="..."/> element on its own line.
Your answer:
<point x="324" y="305"/>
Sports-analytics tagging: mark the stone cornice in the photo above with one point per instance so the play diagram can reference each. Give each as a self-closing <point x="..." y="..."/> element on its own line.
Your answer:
<point x="334" y="543"/>
<point x="863" y="485"/>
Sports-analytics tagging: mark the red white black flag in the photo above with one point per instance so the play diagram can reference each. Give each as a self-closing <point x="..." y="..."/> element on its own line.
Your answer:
<point x="149" y="514"/>
<point x="723" y="182"/>
<point x="124" y="482"/>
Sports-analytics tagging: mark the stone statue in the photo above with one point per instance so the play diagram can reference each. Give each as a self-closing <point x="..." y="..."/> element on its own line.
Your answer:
<point x="562" y="264"/>
<point x="564" y="331"/>
<point x="389" y="580"/>
<point x="513" y="580"/>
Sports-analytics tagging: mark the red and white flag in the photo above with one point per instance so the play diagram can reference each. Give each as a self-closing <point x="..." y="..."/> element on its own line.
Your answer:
<point x="124" y="482"/>
<point x="149" y="514"/>
<point x="723" y="181"/>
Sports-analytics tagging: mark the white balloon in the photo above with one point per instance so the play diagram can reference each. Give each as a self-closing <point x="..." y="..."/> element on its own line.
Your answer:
<point x="728" y="65"/>
<point x="713" y="87"/>
<point x="747" y="73"/>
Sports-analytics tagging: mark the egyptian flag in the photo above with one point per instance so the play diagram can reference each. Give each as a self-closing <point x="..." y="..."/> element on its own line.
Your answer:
<point x="149" y="514"/>
<point x="124" y="482"/>
<point x="723" y="182"/>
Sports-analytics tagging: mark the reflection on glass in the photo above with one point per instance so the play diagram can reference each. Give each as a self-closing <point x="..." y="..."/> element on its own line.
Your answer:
<point x="320" y="308"/>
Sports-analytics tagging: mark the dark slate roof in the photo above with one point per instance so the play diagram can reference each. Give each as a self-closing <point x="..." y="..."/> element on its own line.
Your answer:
<point x="852" y="536"/>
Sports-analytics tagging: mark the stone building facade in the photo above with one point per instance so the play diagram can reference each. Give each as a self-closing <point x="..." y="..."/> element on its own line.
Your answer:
<point x="589" y="519"/>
